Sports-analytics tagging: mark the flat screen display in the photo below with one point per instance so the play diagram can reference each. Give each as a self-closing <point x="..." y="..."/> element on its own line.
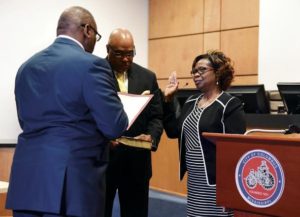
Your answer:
<point x="290" y="94"/>
<point x="253" y="97"/>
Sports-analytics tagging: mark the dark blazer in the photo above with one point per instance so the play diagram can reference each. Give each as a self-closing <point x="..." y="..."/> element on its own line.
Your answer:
<point x="150" y="120"/>
<point x="68" y="110"/>
<point x="224" y="115"/>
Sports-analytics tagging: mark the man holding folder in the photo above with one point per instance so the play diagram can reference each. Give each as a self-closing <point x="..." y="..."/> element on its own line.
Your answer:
<point x="68" y="110"/>
<point x="129" y="169"/>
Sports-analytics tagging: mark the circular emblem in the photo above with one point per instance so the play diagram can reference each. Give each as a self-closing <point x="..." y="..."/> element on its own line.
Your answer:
<point x="259" y="178"/>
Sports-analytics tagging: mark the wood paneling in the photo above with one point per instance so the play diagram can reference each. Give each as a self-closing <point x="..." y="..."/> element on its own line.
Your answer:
<point x="176" y="17"/>
<point x="174" y="54"/>
<point x="212" y="41"/>
<point x="249" y="79"/>
<point x="183" y="83"/>
<point x="166" y="163"/>
<point x="6" y="156"/>
<point x="188" y="83"/>
<point x="241" y="46"/>
<point x="4" y="212"/>
<point x="212" y="15"/>
<point x="239" y="14"/>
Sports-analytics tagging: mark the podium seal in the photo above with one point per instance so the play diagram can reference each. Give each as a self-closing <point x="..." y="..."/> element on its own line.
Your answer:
<point x="259" y="178"/>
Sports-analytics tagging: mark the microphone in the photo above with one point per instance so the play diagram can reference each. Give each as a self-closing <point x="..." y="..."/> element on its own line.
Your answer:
<point x="293" y="128"/>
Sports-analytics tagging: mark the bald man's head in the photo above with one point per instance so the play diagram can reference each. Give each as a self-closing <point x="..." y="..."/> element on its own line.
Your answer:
<point x="121" y="37"/>
<point x="120" y="50"/>
<point x="78" y="23"/>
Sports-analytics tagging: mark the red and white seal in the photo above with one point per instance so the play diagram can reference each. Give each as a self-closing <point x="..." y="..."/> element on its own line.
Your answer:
<point x="259" y="178"/>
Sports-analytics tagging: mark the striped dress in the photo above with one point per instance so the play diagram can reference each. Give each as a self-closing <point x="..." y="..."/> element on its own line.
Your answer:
<point x="201" y="199"/>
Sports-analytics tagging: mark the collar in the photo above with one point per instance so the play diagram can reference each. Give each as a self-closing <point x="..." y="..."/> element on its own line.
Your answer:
<point x="73" y="39"/>
<point x="125" y="74"/>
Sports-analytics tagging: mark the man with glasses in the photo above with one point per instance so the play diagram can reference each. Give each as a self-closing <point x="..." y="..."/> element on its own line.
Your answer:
<point x="129" y="169"/>
<point x="98" y="36"/>
<point x="68" y="110"/>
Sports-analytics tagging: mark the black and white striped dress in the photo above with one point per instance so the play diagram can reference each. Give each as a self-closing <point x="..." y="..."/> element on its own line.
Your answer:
<point x="201" y="199"/>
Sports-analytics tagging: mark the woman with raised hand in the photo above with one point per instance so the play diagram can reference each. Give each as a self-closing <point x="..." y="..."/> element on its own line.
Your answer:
<point x="212" y="110"/>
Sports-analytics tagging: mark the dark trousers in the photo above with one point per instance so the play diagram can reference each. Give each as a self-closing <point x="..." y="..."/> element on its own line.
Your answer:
<point x="36" y="214"/>
<point x="128" y="174"/>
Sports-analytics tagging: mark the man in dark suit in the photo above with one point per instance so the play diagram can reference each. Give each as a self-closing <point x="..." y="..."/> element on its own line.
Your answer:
<point x="68" y="109"/>
<point x="129" y="169"/>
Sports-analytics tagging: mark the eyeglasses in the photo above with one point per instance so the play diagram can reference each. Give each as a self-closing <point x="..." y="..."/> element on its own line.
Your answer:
<point x="121" y="54"/>
<point x="98" y="36"/>
<point x="200" y="70"/>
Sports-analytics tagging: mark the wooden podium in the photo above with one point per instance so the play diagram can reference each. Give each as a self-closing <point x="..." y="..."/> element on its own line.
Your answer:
<point x="231" y="149"/>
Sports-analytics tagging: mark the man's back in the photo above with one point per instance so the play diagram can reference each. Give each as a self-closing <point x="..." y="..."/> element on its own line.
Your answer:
<point x="68" y="109"/>
<point x="50" y="95"/>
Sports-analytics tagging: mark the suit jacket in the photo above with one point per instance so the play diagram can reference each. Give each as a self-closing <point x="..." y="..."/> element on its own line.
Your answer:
<point x="150" y="120"/>
<point x="224" y="115"/>
<point x="68" y="110"/>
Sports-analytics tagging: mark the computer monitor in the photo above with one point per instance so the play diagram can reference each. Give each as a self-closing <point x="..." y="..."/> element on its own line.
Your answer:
<point x="183" y="94"/>
<point x="290" y="94"/>
<point x="253" y="97"/>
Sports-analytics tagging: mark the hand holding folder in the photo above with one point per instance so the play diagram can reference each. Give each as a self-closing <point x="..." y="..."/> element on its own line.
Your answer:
<point x="133" y="105"/>
<point x="135" y="142"/>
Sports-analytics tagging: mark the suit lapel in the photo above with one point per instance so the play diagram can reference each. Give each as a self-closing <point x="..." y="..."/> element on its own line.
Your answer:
<point x="116" y="82"/>
<point x="132" y="81"/>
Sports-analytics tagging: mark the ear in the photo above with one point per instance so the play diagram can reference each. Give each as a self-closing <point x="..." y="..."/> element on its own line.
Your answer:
<point x="86" y="31"/>
<point x="107" y="48"/>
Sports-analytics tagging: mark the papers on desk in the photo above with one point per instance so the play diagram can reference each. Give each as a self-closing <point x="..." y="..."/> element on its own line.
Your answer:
<point x="133" y="105"/>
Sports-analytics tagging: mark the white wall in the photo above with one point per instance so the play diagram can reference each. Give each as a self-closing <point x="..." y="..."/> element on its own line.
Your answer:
<point x="279" y="42"/>
<point x="29" y="26"/>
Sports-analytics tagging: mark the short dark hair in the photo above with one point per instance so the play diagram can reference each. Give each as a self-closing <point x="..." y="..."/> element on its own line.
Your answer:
<point x="222" y="65"/>
<point x="72" y="18"/>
